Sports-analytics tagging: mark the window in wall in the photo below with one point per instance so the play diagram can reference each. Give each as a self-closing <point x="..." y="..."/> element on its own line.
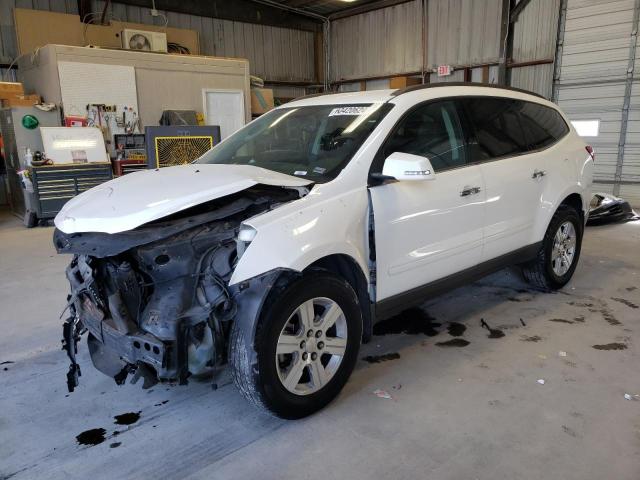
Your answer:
<point x="432" y="130"/>
<point x="587" y="128"/>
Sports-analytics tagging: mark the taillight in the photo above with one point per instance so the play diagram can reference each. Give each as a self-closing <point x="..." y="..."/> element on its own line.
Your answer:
<point x="591" y="152"/>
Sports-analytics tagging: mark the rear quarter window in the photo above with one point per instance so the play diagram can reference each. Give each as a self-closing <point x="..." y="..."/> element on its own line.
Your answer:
<point x="507" y="127"/>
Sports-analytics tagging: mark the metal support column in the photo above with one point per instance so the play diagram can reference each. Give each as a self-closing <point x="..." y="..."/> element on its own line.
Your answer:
<point x="627" y="98"/>
<point x="504" y="34"/>
<point x="557" y="66"/>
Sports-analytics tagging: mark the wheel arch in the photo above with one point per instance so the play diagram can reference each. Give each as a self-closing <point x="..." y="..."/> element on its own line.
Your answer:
<point x="576" y="201"/>
<point x="349" y="269"/>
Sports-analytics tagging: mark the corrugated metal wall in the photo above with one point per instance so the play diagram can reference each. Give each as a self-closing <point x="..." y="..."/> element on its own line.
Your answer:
<point x="274" y="53"/>
<point x="460" y="33"/>
<point x="591" y="86"/>
<point x="534" y="38"/>
<point x="277" y="54"/>
<point x="382" y="42"/>
<point x="463" y="32"/>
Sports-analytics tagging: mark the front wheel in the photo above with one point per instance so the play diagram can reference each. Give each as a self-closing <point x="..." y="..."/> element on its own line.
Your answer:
<point x="558" y="257"/>
<point x="306" y="345"/>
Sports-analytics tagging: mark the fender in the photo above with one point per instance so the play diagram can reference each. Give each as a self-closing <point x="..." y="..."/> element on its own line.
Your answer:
<point x="297" y="234"/>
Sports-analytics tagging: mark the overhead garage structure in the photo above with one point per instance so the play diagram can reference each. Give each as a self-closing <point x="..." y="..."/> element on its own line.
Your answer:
<point x="596" y="83"/>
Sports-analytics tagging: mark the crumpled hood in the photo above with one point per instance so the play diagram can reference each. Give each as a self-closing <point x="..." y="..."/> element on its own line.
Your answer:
<point x="135" y="199"/>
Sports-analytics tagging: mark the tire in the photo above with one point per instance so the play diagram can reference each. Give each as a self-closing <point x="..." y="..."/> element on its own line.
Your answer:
<point x="281" y="325"/>
<point x="541" y="272"/>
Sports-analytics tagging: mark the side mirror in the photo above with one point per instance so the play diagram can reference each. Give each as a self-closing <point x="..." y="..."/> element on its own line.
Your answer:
<point x="408" y="167"/>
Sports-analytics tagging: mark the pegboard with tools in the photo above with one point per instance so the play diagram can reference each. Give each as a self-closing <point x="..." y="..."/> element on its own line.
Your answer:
<point x="113" y="120"/>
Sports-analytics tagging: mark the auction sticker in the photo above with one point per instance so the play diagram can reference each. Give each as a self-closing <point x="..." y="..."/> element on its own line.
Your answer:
<point x="348" y="111"/>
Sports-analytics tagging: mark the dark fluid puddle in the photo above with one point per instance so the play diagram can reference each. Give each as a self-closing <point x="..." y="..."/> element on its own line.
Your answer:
<point x="624" y="301"/>
<point x="560" y="320"/>
<point x="631" y="289"/>
<point x="533" y="338"/>
<point x="454" y="342"/>
<point x="164" y="402"/>
<point x="381" y="358"/>
<point x="579" y="319"/>
<point x="610" y="318"/>
<point x="493" y="332"/>
<point x="412" y="322"/>
<point x="127" y="418"/>
<point x="95" y="436"/>
<point x="456" y="329"/>
<point x="115" y="444"/>
<point x="611" y="346"/>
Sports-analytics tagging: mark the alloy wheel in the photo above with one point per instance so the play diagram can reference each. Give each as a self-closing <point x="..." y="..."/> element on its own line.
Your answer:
<point x="564" y="249"/>
<point x="311" y="346"/>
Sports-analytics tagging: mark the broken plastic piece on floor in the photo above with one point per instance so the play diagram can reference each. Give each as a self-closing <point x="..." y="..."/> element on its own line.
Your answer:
<point x="562" y="354"/>
<point x="541" y="381"/>
<point x="605" y="208"/>
<point x="628" y="396"/>
<point x="382" y="394"/>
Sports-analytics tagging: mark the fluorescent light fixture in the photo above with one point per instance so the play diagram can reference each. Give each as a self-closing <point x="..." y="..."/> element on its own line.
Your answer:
<point x="587" y="128"/>
<point x="68" y="144"/>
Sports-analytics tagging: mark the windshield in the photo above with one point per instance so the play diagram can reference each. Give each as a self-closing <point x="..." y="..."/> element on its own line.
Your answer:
<point x="313" y="142"/>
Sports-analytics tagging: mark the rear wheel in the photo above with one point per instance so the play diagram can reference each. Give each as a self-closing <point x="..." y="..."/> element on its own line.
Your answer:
<point x="558" y="257"/>
<point x="306" y="344"/>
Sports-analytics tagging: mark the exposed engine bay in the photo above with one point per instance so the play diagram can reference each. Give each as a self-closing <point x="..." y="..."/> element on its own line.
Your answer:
<point x="155" y="301"/>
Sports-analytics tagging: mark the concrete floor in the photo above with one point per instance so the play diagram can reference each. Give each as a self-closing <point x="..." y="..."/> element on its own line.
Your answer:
<point x="474" y="412"/>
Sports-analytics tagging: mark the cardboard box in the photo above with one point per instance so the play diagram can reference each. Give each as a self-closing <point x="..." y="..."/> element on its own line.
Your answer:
<point x="261" y="100"/>
<point x="404" y="82"/>
<point x="21" y="101"/>
<point x="10" y="89"/>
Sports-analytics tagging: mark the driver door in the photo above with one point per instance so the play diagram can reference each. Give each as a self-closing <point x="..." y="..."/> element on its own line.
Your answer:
<point x="428" y="230"/>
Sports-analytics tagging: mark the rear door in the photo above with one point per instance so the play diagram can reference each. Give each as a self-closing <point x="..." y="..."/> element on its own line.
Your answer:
<point x="514" y="174"/>
<point x="427" y="230"/>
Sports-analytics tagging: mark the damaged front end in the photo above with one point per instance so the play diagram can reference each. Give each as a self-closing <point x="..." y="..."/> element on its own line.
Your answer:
<point x="156" y="301"/>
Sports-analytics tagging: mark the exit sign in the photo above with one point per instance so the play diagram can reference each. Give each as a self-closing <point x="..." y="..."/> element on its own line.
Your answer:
<point x="444" y="70"/>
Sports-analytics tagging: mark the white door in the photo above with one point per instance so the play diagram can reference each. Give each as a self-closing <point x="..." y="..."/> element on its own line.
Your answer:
<point x="224" y="108"/>
<point x="510" y="141"/>
<point x="427" y="230"/>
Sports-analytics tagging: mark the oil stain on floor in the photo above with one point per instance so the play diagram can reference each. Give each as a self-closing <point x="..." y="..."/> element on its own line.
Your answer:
<point x="381" y="358"/>
<point x="624" y="301"/>
<point x="456" y="329"/>
<point x="454" y="342"/>
<point x="95" y="436"/>
<point x="611" y="346"/>
<point x="532" y="338"/>
<point x="493" y="332"/>
<point x="413" y="321"/>
<point x="127" y="418"/>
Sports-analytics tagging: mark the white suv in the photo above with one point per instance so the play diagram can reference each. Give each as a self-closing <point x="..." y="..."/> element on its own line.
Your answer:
<point x="279" y="248"/>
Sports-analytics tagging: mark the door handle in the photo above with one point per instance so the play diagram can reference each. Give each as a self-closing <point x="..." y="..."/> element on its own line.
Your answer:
<point x="538" y="174"/>
<point x="469" y="191"/>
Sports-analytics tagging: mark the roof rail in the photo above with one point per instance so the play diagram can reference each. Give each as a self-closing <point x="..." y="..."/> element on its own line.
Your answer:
<point x="461" y="84"/>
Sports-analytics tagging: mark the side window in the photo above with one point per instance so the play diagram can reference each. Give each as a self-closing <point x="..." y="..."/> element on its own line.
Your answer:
<point x="498" y="130"/>
<point x="543" y="125"/>
<point x="432" y="130"/>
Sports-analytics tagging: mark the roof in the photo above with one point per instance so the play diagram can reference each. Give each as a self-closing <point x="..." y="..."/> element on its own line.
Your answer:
<point x="434" y="90"/>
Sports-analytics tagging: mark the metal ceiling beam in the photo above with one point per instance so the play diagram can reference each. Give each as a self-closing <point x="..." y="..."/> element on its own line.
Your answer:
<point x="367" y="7"/>
<point x="238" y="10"/>
<point x="517" y="10"/>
